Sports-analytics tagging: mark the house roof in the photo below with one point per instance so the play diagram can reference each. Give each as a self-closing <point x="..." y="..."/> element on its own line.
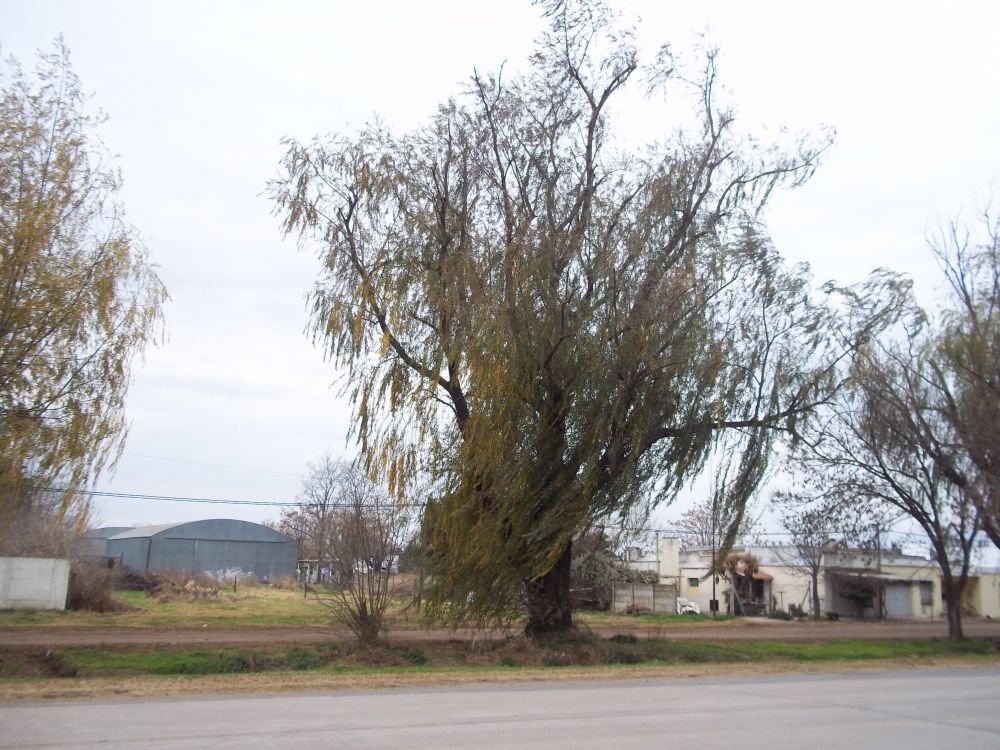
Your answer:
<point x="872" y="575"/>
<point x="760" y="575"/>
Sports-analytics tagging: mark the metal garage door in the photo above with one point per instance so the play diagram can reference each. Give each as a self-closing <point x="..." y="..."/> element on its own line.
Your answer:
<point x="898" y="602"/>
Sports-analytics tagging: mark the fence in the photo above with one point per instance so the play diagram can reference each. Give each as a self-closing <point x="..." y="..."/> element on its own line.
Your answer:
<point x="33" y="583"/>
<point x="652" y="598"/>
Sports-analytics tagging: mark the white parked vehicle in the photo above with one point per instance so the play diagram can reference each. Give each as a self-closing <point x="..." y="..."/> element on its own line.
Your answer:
<point x="687" y="607"/>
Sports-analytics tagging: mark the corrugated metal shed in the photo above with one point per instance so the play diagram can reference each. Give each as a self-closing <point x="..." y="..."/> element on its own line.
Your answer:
<point x="95" y="541"/>
<point x="221" y="547"/>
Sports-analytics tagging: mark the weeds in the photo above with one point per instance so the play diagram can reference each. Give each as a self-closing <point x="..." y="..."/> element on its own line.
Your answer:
<point x="348" y="657"/>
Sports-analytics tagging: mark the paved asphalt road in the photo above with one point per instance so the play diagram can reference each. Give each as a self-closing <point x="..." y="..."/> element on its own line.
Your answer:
<point x="927" y="709"/>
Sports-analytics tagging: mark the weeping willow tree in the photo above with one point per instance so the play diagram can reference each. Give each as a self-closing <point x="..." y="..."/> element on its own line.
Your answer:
<point x="965" y="366"/>
<point x="559" y="330"/>
<point x="79" y="298"/>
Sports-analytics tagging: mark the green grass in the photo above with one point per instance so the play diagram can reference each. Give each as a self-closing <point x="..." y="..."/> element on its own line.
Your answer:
<point x="247" y="607"/>
<point x="580" y="650"/>
<point x="250" y="606"/>
<point x="802" y="651"/>
<point x="668" y="619"/>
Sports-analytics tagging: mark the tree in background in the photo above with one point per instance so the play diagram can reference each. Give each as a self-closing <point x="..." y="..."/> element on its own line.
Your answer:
<point x="705" y="525"/>
<point x="313" y="523"/>
<point x="964" y="370"/>
<point x="815" y="523"/>
<point x="883" y="448"/>
<point x="917" y="431"/>
<point x="556" y="329"/>
<point x="79" y="299"/>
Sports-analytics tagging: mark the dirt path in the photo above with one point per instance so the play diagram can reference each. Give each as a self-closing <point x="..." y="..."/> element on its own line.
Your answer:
<point x="730" y="630"/>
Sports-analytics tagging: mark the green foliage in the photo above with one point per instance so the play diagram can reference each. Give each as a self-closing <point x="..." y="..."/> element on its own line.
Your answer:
<point x="624" y="638"/>
<point x="414" y="655"/>
<point x="103" y="661"/>
<point x="555" y="330"/>
<point x="79" y="299"/>
<point x="966" y="363"/>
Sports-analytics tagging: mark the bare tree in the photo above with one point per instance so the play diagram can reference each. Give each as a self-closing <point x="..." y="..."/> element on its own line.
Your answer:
<point x="314" y="521"/>
<point x="706" y="525"/>
<point x="370" y="529"/>
<point x="813" y="521"/>
<point x="884" y="446"/>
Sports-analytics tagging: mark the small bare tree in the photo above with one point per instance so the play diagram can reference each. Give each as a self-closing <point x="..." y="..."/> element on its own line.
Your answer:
<point x="705" y="525"/>
<point x="370" y="529"/>
<point x="811" y="522"/>
<point x="313" y="523"/>
<point x="818" y="519"/>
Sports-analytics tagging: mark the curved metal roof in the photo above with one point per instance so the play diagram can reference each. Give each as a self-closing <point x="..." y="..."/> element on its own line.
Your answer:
<point x="220" y="529"/>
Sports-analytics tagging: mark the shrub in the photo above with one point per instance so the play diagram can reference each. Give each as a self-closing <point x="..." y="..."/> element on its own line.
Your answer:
<point x="90" y="587"/>
<point x="300" y="658"/>
<point x="624" y="638"/>
<point x="414" y="655"/>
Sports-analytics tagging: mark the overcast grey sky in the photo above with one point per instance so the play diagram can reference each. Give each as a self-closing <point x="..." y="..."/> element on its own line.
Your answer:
<point x="199" y="95"/>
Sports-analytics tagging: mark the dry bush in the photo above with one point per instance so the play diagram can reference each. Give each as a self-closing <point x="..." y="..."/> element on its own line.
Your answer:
<point x="138" y="580"/>
<point x="185" y="587"/>
<point x="404" y="584"/>
<point x="286" y="583"/>
<point x="90" y="588"/>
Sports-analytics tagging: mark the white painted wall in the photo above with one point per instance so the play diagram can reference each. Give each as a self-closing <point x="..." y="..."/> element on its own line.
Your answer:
<point x="33" y="583"/>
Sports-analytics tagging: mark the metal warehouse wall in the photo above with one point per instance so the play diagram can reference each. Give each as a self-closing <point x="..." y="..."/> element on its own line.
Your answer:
<point x="133" y="552"/>
<point x="219" y="547"/>
<point x="223" y="559"/>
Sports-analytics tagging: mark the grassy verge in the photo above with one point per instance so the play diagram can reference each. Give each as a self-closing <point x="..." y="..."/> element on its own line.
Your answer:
<point x="92" y="673"/>
<point x="583" y="650"/>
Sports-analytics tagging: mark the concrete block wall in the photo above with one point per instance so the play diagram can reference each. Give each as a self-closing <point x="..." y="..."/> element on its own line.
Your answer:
<point x="657" y="598"/>
<point x="33" y="583"/>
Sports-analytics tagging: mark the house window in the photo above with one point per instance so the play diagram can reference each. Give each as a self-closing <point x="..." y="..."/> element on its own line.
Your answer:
<point x="926" y="593"/>
<point x="693" y="583"/>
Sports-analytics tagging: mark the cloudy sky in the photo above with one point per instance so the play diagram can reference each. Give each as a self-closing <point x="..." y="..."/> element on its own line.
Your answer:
<point x="200" y="94"/>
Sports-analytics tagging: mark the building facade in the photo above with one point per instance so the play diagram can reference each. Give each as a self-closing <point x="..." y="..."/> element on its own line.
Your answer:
<point x="851" y="583"/>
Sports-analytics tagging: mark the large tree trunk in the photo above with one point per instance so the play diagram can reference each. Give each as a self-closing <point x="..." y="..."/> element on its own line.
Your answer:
<point x="548" y="599"/>
<point x="953" y="602"/>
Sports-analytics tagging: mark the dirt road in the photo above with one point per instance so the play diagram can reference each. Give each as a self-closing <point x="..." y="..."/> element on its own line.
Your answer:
<point x="729" y="630"/>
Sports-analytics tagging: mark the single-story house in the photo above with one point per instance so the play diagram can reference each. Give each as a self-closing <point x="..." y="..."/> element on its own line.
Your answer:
<point x="851" y="582"/>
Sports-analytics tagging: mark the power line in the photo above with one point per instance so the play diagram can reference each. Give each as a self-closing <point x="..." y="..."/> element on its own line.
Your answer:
<point x="296" y="504"/>
<point x="173" y="498"/>
<point x="208" y="500"/>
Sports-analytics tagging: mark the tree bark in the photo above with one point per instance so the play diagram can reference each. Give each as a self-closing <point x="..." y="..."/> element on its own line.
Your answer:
<point x="548" y="600"/>
<point x="953" y="603"/>
<point x="815" y="596"/>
